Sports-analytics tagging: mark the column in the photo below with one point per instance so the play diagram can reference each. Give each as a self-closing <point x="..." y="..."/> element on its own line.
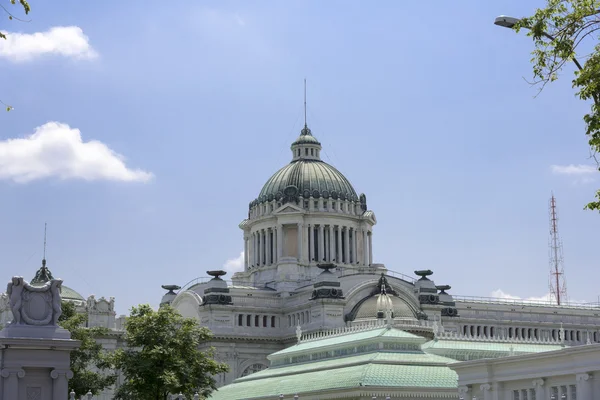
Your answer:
<point x="486" y="390"/>
<point x="540" y="390"/>
<point x="338" y="255"/>
<point x="465" y="392"/>
<point x="261" y="243"/>
<point x="321" y="243"/>
<point x="305" y="244"/>
<point x="275" y="256"/>
<point x="365" y="249"/>
<point x="253" y="246"/>
<point x="312" y="231"/>
<point x="246" y="256"/>
<point x="370" y="236"/>
<point x="354" y="246"/>
<point x="269" y="246"/>
<point x="584" y="391"/>
<point x="60" y="386"/>
<point x="11" y="382"/>
<point x="331" y="243"/>
<point x="346" y="245"/>
<point x="300" y="225"/>
<point x="279" y="241"/>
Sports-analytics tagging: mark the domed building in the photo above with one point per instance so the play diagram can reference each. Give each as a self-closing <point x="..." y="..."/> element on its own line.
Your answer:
<point x="308" y="266"/>
<point x="306" y="213"/>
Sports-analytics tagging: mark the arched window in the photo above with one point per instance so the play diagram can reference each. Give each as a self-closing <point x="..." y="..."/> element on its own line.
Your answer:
<point x="272" y="322"/>
<point x="240" y="320"/>
<point x="252" y="369"/>
<point x="510" y="332"/>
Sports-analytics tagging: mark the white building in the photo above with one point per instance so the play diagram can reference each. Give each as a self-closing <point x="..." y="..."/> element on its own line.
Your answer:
<point x="308" y="218"/>
<point x="570" y="373"/>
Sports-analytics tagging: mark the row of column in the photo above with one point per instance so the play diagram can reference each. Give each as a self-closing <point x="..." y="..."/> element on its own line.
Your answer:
<point x="541" y="389"/>
<point x="316" y="243"/>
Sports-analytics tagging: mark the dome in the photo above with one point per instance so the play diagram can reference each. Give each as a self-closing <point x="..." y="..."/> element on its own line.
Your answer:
<point x="374" y="306"/>
<point x="310" y="178"/>
<point x="307" y="175"/>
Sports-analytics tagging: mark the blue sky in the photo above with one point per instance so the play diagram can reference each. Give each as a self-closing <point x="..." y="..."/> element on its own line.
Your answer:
<point x="422" y="105"/>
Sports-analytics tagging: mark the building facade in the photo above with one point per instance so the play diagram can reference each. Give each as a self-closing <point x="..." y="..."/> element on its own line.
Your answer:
<point x="308" y="246"/>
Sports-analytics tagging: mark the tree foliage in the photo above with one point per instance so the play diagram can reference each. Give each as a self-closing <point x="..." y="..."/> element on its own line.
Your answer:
<point x="89" y="354"/>
<point x="569" y="31"/>
<point x="163" y="356"/>
<point x="27" y="9"/>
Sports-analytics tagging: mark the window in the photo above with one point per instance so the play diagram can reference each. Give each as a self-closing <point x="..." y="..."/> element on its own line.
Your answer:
<point x="240" y="320"/>
<point x="305" y="152"/>
<point x="312" y="152"/>
<point x="516" y="395"/>
<point x="265" y="321"/>
<point x="272" y="322"/>
<point x="256" y="320"/>
<point x="248" y="320"/>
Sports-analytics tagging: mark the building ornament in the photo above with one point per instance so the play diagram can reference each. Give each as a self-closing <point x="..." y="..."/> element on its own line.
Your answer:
<point x="34" y="305"/>
<point x="486" y="387"/>
<point x="538" y="383"/>
<point x="582" y="377"/>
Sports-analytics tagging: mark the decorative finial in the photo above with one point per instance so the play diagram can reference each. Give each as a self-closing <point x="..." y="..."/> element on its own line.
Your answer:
<point x="298" y="332"/>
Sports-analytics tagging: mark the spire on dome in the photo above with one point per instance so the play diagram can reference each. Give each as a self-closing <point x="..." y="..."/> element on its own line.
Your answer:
<point x="306" y="146"/>
<point x="43" y="274"/>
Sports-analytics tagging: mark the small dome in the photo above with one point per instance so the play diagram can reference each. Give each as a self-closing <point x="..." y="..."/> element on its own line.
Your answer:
<point x="306" y="137"/>
<point x="372" y="307"/>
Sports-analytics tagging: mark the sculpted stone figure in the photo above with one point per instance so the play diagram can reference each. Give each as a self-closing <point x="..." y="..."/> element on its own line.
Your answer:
<point x="55" y="288"/>
<point x="15" y="291"/>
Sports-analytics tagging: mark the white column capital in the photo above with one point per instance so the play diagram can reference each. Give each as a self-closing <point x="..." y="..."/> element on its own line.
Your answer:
<point x="464" y="390"/>
<point x="582" y="377"/>
<point x="19" y="372"/>
<point x="538" y="382"/>
<point x="57" y="373"/>
<point x="486" y="387"/>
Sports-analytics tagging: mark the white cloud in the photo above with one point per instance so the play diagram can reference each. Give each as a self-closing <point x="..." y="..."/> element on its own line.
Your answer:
<point x="573" y="169"/>
<point x="234" y="265"/>
<point x="57" y="150"/>
<point x="68" y="41"/>
<point x="500" y="294"/>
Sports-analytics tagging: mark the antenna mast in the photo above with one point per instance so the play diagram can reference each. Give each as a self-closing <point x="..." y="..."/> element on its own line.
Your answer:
<point x="44" y="259"/>
<point x="305" y="102"/>
<point x="558" y="286"/>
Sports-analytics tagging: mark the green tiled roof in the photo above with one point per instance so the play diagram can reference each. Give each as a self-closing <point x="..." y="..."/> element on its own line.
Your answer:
<point x="470" y="350"/>
<point x="357" y="376"/>
<point x="415" y="358"/>
<point x="347" y="339"/>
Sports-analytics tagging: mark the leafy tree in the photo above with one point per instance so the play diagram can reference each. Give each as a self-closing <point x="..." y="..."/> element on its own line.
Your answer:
<point x="89" y="354"/>
<point x="163" y="356"/>
<point x="559" y="31"/>
<point x="27" y="9"/>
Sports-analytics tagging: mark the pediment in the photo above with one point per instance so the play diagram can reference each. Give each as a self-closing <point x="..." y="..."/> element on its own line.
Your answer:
<point x="288" y="209"/>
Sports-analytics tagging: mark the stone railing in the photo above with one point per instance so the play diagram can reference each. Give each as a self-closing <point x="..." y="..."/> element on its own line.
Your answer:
<point x="367" y="326"/>
<point x="496" y="339"/>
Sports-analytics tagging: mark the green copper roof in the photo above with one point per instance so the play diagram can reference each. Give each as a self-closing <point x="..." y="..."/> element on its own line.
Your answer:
<point x="310" y="178"/>
<point x="347" y="339"/>
<point x="356" y="376"/>
<point x="471" y="350"/>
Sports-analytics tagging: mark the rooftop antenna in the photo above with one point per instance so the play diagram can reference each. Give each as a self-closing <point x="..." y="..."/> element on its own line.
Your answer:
<point x="44" y="259"/>
<point x="558" y="286"/>
<point x="305" y="102"/>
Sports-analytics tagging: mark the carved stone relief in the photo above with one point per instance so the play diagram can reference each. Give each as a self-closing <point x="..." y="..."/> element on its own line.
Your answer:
<point x="34" y="305"/>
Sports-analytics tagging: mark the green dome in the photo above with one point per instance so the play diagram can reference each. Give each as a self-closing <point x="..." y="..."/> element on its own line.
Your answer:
<point x="306" y="137"/>
<point x="307" y="178"/>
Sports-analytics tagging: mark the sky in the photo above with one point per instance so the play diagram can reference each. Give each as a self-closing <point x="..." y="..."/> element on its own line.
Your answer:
<point x="141" y="131"/>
